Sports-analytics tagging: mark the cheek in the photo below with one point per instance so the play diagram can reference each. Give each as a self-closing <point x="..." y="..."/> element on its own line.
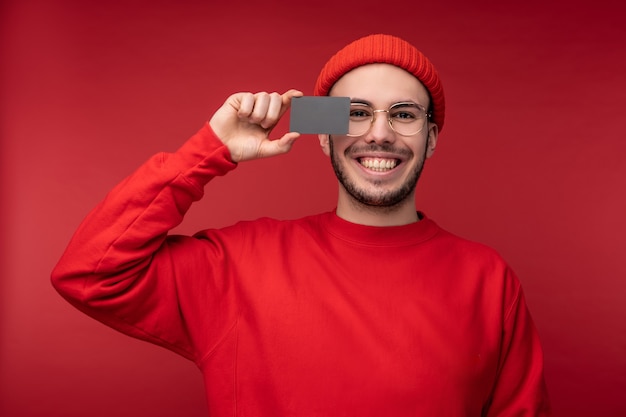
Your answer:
<point x="340" y="145"/>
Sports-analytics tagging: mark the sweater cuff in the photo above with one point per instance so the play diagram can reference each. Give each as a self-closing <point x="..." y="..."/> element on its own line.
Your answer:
<point x="203" y="157"/>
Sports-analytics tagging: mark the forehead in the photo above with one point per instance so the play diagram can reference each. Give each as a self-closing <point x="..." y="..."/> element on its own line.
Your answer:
<point x="381" y="84"/>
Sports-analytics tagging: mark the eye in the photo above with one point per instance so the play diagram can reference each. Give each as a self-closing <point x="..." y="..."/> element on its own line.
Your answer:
<point x="406" y="113"/>
<point x="360" y="112"/>
<point x="403" y="115"/>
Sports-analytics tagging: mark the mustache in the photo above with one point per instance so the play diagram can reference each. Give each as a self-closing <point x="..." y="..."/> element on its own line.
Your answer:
<point x="374" y="147"/>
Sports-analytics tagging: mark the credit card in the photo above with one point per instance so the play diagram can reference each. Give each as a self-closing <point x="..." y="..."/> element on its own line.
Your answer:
<point x="314" y="115"/>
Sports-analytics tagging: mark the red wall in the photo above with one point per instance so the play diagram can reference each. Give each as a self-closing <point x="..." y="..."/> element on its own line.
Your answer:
<point x="531" y="162"/>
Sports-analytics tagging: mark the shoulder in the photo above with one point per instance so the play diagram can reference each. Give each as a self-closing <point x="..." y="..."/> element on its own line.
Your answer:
<point x="472" y="256"/>
<point x="465" y="247"/>
<point x="264" y="227"/>
<point x="274" y="224"/>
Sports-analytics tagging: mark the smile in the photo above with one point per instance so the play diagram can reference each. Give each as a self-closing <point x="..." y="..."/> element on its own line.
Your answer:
<point x="378" y="164"/>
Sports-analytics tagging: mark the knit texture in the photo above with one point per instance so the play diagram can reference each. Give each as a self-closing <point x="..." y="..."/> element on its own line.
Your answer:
<point x="386" y="49"/>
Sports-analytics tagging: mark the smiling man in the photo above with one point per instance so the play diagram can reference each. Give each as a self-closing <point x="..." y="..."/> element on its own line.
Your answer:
<point x="368" y="310"/>
<point x="380" y="160"/>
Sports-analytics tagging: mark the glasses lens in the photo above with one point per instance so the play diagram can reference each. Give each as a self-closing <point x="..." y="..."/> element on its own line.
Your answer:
<point x="407" y="118"/>
<point x="361" y="116"/>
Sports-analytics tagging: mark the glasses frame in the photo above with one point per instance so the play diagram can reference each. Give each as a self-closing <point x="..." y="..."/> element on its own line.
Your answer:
<point x="427" y="117"/>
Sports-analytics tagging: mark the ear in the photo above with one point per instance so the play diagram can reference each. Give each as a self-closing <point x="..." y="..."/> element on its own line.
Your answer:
<point x="324" y="143"/>
<point x="433" y="134"/>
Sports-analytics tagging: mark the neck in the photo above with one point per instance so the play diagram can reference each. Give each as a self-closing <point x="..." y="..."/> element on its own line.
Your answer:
<point x="354" y="211"/>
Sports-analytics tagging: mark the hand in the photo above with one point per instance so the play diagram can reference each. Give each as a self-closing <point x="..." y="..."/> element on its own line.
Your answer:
<point x="244" y="122"/>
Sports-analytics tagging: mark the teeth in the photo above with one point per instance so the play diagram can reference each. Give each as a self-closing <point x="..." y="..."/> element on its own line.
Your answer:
<point x="377" y="164"/>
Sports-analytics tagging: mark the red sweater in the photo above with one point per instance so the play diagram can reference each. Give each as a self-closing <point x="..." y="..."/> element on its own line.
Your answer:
<point x="309" y="317"/>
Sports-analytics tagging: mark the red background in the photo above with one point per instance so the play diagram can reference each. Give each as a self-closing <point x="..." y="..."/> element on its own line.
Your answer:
<point x="531" y="162"/>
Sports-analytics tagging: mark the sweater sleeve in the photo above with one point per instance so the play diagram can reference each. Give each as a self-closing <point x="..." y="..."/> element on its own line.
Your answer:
<point x="520" y="388"/>
<point x="119" y="268"/>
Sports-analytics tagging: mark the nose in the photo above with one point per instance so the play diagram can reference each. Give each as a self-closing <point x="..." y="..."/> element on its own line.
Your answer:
<point x="381" y="130"/>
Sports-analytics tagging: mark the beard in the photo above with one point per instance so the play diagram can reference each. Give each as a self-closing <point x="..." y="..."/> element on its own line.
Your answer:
<point x="382" y="198"/>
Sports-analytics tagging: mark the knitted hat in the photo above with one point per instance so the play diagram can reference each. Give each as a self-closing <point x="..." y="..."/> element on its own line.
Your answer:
<point x="389" y="50"/>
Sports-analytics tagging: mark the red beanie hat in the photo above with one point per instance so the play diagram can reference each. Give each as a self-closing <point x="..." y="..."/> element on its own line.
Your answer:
<point x="389" y="50"/>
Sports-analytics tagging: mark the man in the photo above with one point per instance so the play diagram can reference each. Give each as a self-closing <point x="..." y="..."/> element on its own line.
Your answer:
<point x="369" y="310"/>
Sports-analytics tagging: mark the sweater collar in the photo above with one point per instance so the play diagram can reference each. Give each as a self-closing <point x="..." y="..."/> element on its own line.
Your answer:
<point x="408" y="234"/>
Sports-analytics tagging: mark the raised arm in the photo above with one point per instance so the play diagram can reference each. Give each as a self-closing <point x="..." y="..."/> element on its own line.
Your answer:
<point x="121" y="267"/>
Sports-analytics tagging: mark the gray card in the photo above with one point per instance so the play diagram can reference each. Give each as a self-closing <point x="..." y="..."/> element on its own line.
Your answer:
<point x="311" y="115"/>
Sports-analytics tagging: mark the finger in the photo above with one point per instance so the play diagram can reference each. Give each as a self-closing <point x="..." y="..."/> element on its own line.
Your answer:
<point x="292" y="93"/>
<point x="261" y="104"/>
<point x="279" y="103"/>
<point x="284" y="144"/>
<point x="286" y="99"/>
<point x="244" y="104"/>
<point x="273" y="111"/>
<point x="288" y="138"/>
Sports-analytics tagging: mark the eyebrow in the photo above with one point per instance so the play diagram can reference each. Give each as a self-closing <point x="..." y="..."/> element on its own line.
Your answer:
<point x="368" y="103"/>
<point x="360" y="101"/>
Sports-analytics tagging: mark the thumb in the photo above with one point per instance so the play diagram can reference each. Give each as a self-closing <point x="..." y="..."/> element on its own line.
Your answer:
<point x="279" y="146"/>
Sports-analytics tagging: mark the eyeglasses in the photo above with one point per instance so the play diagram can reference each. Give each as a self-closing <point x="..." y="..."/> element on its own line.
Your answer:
<point x="405" y="118"/>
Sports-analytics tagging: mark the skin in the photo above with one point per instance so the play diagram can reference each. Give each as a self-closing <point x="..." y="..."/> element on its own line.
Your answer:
<point x="244" y="122"/>
<point x="366" y="196"/>
<point x="371" y="196"/>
